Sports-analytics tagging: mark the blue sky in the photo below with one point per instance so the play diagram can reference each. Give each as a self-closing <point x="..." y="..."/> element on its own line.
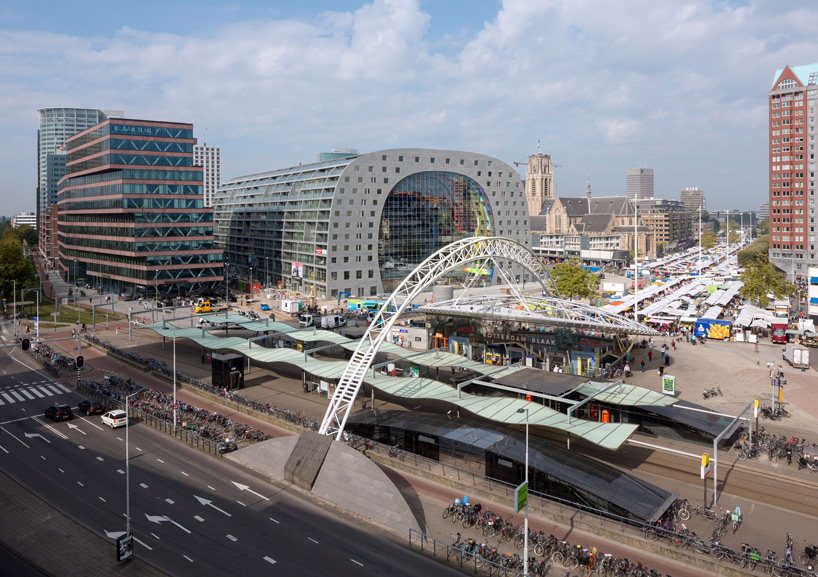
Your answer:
<point x="676" y="86"/>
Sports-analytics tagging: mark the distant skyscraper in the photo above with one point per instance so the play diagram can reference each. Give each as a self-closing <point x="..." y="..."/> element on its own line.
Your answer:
<point x="539" y="181"/>
<point x="693" y="199"/>
<point x="639" y="183"/>
<point x="56" y="125"/>
<point x="792" y="99"/>
<point x="210" y="159"/>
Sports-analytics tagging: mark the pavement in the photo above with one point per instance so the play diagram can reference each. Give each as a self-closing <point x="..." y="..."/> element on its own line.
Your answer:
<point x="741" y="373"/>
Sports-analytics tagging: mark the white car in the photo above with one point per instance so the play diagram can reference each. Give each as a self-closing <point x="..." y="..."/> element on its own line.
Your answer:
<point x="115" y="419"/>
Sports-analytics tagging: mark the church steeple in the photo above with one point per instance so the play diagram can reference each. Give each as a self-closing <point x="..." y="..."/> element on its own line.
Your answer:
<point x="539" y="181"/>
<point x="588" y="187"/>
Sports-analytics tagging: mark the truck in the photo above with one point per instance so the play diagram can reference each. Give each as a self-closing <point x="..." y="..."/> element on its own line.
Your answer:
<point x="305" y="321"/>
<point x="778" y="333"/>
<point x="781" y="308"/>
<point x="712" y="329"/>
<point x="796" y="355"/>
<point x="203" y="306"/>
<point x="332" y="321"/>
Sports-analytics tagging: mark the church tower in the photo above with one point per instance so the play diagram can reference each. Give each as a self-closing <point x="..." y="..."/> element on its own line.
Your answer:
<point x="539" y="181"/>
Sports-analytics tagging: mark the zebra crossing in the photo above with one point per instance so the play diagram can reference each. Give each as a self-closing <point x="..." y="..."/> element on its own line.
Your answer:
<point x="32" y="393"/>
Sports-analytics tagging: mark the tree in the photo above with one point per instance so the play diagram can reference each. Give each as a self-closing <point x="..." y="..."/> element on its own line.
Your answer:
<point x="705" y="216"/>
<point x="660" y="247"/>
<point x="14" y="266"/>
<point x="763" y="227"/>
<point x="572" y="280"/>
<point x="28" y="234"/>
<point x="733" y="237"/>
<point x="759" y="247"/>
<point x="716" y="226"/>
<point x="708" y="240"/>
<point x="759" y="278"/>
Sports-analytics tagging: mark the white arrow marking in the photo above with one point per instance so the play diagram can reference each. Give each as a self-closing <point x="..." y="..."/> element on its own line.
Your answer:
<point x="32" y="435"/>
<point x="247" y="488"/>
<point x="71" y="426"/>
<point x="269" y="560"/>
<point x="113" y="534"/>
<point x="162" y="518"/>
<point x="207" y="503"/>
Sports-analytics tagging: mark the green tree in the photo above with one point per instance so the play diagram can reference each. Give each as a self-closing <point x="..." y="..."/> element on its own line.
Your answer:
<point x="733" y="237"/>
<point x="28" y="234"/>
<point x="660" y="248"/>
<point x="708" y="240"/>
<point x="572" y="280"/>
<point x="759" y="247"/>
<point x="705" y="216"/>
<point x="763" y="227"/>
<point x="759" y="278"/>
<point x="14" y="266"/>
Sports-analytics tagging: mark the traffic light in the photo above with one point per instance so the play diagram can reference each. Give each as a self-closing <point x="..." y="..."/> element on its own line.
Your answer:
<point x="26" y="344"/>
<point x="80" y="362"/>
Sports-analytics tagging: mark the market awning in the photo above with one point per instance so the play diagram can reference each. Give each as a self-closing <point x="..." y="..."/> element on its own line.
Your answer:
<point x="759" y="323"/>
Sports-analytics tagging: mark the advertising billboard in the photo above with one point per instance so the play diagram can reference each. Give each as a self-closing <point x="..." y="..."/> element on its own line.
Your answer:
<point x="297" y="270"/>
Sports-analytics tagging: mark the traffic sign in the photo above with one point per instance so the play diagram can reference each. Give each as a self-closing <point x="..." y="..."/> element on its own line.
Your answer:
<point x="705" y="471"/>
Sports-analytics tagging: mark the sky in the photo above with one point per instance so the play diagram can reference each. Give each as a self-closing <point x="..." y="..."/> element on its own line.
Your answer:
<point x="677" y="86"/>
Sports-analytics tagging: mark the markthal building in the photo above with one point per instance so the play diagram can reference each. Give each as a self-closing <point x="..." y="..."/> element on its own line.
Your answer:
<point x="360" y="223"/>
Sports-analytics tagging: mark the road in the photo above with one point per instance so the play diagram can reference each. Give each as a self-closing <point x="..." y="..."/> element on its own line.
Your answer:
<point x="191" y="513"/>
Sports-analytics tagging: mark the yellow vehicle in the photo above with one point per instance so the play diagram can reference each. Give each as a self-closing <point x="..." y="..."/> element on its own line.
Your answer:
<point x="202" y="307"/>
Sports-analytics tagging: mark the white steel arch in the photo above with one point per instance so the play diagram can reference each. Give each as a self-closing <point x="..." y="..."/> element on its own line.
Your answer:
<point x="446" y="259"/>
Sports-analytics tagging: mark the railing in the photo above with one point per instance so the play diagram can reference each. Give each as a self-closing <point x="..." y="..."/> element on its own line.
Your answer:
<point x="457" y="555"/>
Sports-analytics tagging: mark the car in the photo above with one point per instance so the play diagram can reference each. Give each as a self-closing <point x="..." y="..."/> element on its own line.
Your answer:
<point x="114" y="419"/>
<point x="91" y="407"/>
<point x="59" y="412"/>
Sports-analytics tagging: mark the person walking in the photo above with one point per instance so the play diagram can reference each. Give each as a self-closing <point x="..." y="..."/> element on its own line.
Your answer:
<point x="650" y="355"/>
<point x="643" y="365"/>
<point x="756" y="348"/>
<point x="117" y="329"/>
<point x="661" y="370"/>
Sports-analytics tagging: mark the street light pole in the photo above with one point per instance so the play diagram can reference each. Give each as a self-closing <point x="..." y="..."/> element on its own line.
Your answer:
<point x="127" y="468"/>
<point x="525" y="523"/>
<point x="700" y="240"/>
<point x="636" y="265"/>
<point x="174" y="378"/>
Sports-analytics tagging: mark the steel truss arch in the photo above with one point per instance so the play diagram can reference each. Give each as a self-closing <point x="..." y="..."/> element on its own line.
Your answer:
<point x="426" y="273"/>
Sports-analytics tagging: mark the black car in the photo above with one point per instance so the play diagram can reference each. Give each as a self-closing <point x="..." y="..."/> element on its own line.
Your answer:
<point x="91" y="407"/>
<point x="59" y="412"/>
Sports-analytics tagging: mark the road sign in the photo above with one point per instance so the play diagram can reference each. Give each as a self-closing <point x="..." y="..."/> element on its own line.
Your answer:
<point x="705" y="471"/>
<point x="521" y="497"/>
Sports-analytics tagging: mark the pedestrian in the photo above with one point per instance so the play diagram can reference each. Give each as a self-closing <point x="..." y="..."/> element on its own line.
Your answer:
<point x="661" y="370"/>
<point x="667" y="359"/>
<point x="650" y="355"/>
<point x="117" y="329"/>
<point x="627" y="370"/>
<point x="643" y="365"/>
<point x="756" y="348"/>
<point x="673" y="344"/>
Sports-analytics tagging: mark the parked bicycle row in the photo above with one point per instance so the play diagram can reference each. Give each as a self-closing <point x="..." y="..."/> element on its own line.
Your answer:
<point x="778" y="448"/>
<point x="128" y="356"/>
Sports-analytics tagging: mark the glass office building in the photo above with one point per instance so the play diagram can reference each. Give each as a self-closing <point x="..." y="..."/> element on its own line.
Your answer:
<point x="359" y="224"/>
<point x="131" y="211"/>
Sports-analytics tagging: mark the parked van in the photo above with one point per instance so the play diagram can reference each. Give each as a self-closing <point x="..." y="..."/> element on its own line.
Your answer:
<point x="332" y="321"/>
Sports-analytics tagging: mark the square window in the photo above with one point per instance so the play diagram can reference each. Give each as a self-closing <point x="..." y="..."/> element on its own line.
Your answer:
<point x="383" y="157"/>
<point x="447" y="161"/>
<point x="462" y="162"/>
<point x="397" y="169"/>
<point x="346" y="275"/>
<point x="383" y="169"/>
<point x="433" y="160"/>
<point x="417" y="159"/>
<point x="400" y="159"/>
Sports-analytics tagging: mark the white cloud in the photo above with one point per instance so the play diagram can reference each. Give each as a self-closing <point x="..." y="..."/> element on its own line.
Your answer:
<point x="608" y="85"/>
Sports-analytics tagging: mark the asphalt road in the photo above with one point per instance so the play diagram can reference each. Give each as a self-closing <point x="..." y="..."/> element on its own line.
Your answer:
<point x="191" y="513"/>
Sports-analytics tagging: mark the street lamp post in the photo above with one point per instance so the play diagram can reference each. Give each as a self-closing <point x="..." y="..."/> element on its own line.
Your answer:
<point x="267" y="270"/>
<point x="636" y="265"/>
<point x="700" y="240"/>
<point x="127" y="468"/>
<point x="525" y="523"/>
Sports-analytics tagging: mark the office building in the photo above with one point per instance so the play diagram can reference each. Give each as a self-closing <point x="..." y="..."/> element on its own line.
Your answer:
<point x="210" y="159"/>
<point x="360" y="224"/>
<point x="693" y="199"/>
<point x="56" y="125"/>
<point x="131" y="211"/>
<point x="792" y="117"/>
<point x="21" y="218"/>
<point x="539" y="182"/>
<point x="764" y="211"/>
<point x="639" y="183"/>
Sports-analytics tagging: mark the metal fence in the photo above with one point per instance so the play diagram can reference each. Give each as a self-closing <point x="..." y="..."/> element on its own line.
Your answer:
<point x="457" y="555"/>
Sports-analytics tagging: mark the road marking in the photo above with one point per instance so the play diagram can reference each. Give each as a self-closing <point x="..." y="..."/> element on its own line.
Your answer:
<point x="32" y="435"/>
<point x="161" y="461"/>
<point x="138" y="449"/>
<point x="42" y="457"/>
<point x="209" y="503"/>
<point x="2" y="402"/>
<point x="143" y="485"/>
<point x="60" y="470"/>
<point x="4" y="449"/>
<point x="155" y="536"/>
<point x="188" y="558"/>
<point x="273" y="520"/>
<point x="145" y="545"/>
<point x="185" y="474"/>
<point x="211" y="488"/>
<point x="313" y="540"/>
<point x="53" y="388"/>
<point x="249" y="490"/>
<point x="240" y="503"/>
<point x="103" y="500"/>
<point x="44" y="390"/>
<point x="357" y="562"/>
<point x="80" y="484"/>
<point x="269" y="560"/>
<point x="100" y="459"/>
<point x="162" y="519"/>
<point x="232" y="538"/>
<point x="26" y="393"/>
<point x="169" y="501"/>
<point x="36" y="392"/>
<point x="8" y="398"/>
<point x="199" y="519"/>
<point x="62" y="387"/>
<point x="18" y="395"/>
<point x="120" y="471"/>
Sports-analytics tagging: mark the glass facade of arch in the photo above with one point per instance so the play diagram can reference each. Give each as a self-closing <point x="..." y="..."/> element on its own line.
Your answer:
<point x="423" y="213"/>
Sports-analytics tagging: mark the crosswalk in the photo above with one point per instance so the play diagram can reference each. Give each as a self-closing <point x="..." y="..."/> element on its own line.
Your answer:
<point x="32" y="392"/>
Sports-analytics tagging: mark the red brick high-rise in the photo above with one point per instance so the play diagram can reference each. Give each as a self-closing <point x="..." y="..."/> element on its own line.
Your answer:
<point x="792" y="104"/>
